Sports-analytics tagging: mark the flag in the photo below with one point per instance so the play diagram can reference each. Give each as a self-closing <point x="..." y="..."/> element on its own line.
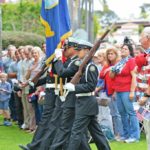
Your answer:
<point x="140" y="113"/>
<point x="55" y="18"/>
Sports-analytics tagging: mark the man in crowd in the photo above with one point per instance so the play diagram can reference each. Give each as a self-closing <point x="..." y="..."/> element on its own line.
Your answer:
<point x="143" y="77"/>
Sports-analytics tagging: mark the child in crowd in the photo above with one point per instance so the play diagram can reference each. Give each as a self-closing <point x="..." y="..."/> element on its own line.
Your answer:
<point x="5" y="93"/>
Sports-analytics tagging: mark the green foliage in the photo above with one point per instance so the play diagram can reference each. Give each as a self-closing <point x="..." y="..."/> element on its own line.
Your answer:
<point x="145" y="11"/>
<point x="21" y="38"/>
<point x="23" y="16"/>
<point x="96" y="26"/>
<point x="141" y="27"/>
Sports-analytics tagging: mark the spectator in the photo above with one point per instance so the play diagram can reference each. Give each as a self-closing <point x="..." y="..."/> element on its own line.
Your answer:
<point x="112" y="58"/>
<point x="29" y="115"/>
<point x="125" y="83"/>
<point x="143" y="77"/>
<point x="10" y="53"/>
<point x="5" y="92"/>
<point x="138" y="50"/>
<point x="104" y="117"/>
<point x="31" y="73"/>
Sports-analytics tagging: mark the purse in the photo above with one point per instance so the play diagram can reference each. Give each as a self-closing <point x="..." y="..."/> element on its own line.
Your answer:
<point x="103" y="99"/>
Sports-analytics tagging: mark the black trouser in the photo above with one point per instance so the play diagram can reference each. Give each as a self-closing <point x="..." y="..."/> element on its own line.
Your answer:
<point x="53" y="126"/>
<point x="79" y="128"/>
<point x="63" y="133"/>
<point x="12" y="107"/>
<point x="43" y="126"/>
<point x="19" y="109"/>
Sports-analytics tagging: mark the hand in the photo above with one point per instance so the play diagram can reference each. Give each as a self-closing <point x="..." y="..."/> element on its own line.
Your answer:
<point x="70" y="87"/>
<point x="106" y="70"/>
<point x="131" y="95"/>
<point x="30" y="83"/>
<point x="58" y="53"/>
<point x="142" y="101"/>
<point x="3" y="90"/>
<point x="114" y="96"/>
<point x="23" y="85"/>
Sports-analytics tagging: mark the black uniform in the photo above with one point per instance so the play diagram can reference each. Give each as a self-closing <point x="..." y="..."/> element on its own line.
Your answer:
<point x="55" y="119"/>
<point x="86" y="110"/>
<point x="63" y="133"/>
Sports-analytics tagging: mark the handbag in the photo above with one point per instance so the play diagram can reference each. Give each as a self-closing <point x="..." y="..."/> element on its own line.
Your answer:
<point x="32" y="97"/>
<point x="103" y="99"/>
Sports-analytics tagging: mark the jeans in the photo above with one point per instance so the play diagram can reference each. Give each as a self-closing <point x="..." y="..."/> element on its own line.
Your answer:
<point x="128" y="115"/>
<point x="116" y="118"/>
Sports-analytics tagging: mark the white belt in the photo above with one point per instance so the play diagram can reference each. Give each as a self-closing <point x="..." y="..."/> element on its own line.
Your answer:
<point x="84" y="94"/>
<point x="48" y="85"/>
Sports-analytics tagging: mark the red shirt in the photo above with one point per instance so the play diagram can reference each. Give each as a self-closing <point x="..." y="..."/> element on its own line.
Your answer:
<point x="143" y="76"/>
<point x="122" y="81"/>
<point x="108" y="81"/>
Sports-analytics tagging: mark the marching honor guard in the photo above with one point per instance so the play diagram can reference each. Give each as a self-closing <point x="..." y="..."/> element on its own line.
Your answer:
<point x="63" y="133"/>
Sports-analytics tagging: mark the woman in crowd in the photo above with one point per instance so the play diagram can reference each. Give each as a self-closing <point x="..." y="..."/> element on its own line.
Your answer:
<point x="31" y="73"/>
<point x="112" y="58"/>
<point x="125" y="83"/>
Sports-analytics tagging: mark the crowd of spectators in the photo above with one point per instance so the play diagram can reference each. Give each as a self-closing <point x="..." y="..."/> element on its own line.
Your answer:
<point x="17" y="66"/>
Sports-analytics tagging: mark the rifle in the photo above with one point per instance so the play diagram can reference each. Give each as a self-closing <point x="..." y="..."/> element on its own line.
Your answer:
<point x="43" y="69"/>
<point x="38" y="75"/>
<point x="89" y="56"/>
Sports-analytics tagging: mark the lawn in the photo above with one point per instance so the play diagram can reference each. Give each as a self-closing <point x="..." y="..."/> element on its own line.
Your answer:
<point x="10" y="137"/>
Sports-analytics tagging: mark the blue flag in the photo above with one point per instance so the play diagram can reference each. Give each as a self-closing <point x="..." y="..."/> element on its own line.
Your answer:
<point x="55" y="18"/>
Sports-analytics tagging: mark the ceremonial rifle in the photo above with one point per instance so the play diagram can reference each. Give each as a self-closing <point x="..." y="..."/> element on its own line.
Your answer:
<point x="43" y="69"/>
<point x="89" y="56"/>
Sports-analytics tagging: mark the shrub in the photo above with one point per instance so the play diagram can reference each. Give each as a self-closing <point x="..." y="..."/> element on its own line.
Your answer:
<point x="21" y="39"/>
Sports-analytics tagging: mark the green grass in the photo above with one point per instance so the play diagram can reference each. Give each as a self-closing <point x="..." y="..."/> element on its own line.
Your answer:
<point x="10" y="137"/>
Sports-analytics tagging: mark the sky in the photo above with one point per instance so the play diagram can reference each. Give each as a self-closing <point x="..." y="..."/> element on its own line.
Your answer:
<point x="125" y="9"/>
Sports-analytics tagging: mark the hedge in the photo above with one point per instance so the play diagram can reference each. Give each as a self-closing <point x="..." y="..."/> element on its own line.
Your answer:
<point x="21" y="39"/>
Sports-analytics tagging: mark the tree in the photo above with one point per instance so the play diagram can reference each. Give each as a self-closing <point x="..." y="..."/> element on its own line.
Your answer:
<point x="145" y="11"/>
<point x="107" y="16"/>
<point x="23" y="16"/>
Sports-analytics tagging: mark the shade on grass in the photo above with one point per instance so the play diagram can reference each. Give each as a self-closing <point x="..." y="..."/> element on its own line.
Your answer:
<point x="10" y="137"/>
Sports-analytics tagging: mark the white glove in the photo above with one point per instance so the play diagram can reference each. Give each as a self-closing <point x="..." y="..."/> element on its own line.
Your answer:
<point x="70" y="87"/>
<point x="31" y="83"/>
<point x="58" y="53"/>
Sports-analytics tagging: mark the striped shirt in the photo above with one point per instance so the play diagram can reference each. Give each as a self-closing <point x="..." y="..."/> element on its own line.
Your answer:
<point x="142" y="78"/>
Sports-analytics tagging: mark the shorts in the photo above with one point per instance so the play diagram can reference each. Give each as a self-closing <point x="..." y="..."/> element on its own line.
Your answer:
<point x="4" y="105"/>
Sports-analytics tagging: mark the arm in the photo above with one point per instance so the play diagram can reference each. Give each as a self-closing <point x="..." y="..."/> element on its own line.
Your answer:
<point x="8" y="90"/>
<point x="90" y="85"/>
<point x="112" y="74"/>
<point x="103" y="72"/>
<point x="27" y="76"/>
<point x="133" y="84"/>
<point x="66" y="72"/>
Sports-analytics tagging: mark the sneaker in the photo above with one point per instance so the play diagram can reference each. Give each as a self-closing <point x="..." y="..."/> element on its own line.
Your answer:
<point x="131" y="140"/>
<point x="24" y="127"/>
<point x="121" y="139"/>
<point x="7" y="123"/>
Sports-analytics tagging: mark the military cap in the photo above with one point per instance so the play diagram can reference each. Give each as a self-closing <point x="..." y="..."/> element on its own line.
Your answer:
<point x="71" y="42"/>
<point x="84" y="45"/>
